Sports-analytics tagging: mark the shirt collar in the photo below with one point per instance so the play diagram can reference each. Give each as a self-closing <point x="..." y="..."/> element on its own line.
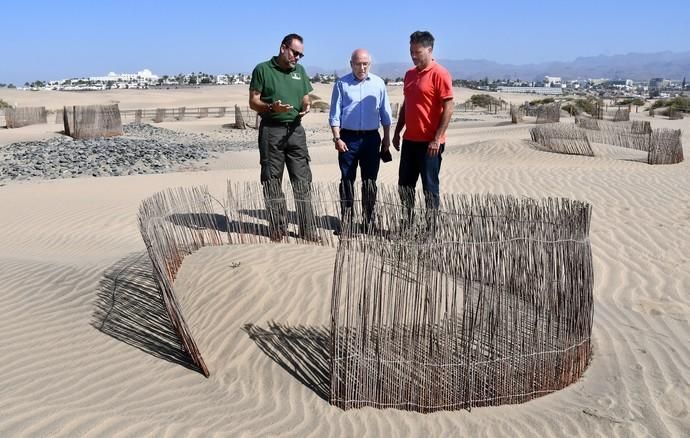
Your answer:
<point x="428" y="67"/>
<point x="354" y="78"/>
<point x="274" y="63"/>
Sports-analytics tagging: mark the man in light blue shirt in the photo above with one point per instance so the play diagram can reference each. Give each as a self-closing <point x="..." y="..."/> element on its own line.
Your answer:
<point x="359" y="105"/>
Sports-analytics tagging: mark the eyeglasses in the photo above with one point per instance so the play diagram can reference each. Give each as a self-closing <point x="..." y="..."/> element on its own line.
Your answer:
<point x="295" y="53"/>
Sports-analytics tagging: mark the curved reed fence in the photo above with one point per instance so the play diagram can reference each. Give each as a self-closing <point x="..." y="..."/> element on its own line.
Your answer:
<point x="17" y="117"/>
<point x="91" y="121"/>
<point x="173" y="224"/>
<point x="564" y="139"/>
<point x="493" y="306"/>
<point x="663" y="146"/>
<point x="486" y="301"/>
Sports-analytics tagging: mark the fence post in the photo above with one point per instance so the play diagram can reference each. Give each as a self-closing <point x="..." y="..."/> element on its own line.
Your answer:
<point x="74" y="121"/>
<point x="239" y="120"/>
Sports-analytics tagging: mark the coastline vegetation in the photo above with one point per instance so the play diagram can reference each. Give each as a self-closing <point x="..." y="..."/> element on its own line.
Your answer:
<point x="544" y="101"/>
<point x="679" y="103"/>
<point x="576" y="107"/>
<point x="484" y="100"/>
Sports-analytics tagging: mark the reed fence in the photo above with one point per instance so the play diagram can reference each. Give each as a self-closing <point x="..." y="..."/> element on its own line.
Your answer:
<point x="91" y="121"/>
<point x="493" y="306"/>
<point x="174" y="224"/>
<point x="487" y="300"/>
<point x="158" y="115"/>
<point x="587" y="123"/>
<point x="548" y="113"/>
<point x="516" y="113"/>
<point x="17" y="117"/>
<point x="630" y="135"/>
<point x="621" y="115"/>
<point x="663" y="146"/>
<point x="239" y="119"/>
<point x="564" y="139"/>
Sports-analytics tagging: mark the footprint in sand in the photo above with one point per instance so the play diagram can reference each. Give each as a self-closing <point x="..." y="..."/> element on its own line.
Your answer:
<point x="606" y="402"/>
<point x="666" y="309"/>
<point x="673" y="401"/>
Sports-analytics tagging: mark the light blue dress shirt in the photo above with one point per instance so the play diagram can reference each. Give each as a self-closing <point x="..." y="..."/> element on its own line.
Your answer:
<point x="360" y="105"/>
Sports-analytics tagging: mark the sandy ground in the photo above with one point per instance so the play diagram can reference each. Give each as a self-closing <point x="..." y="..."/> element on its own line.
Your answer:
<point x="71" y="246"/>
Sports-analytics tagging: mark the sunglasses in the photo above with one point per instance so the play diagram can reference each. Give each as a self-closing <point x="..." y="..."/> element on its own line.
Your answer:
<point x="295" y="53"/>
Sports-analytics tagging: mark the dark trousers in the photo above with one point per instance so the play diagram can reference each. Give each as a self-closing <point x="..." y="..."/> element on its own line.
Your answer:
<point x="414" y="162"/>
<point x="363" y="151"/>
<point x="280" y="147"/>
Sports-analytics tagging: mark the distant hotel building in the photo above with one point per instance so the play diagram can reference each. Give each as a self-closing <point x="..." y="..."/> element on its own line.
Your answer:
<point x="144" y="76"/>
<point x="534" y="90"/>
<point x="552" y="81"/>
<point x="655" y="86"/>
<point x="552" y="85"/>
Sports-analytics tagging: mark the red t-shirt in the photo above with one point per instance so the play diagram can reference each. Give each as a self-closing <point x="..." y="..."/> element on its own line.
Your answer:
<point x="425" y="91"/>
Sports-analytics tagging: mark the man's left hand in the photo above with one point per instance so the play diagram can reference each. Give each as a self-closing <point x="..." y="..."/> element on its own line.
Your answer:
<point x="385" y="144"/>
<point x="434" y="148"/>
<point x="305" y="111"/>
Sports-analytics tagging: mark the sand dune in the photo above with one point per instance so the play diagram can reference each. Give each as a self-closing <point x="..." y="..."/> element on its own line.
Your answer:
<point x="87" y="351"/>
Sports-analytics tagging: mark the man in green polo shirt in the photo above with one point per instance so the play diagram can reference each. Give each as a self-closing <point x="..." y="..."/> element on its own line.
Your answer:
<point x="279" y="92"/>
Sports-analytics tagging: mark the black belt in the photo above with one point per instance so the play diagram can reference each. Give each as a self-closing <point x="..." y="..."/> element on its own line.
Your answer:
<point x="356" y="132"/>
<point x="269" y="122"/>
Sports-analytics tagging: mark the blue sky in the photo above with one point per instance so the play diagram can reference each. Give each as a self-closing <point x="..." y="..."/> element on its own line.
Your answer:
<point x="61" y="39"/>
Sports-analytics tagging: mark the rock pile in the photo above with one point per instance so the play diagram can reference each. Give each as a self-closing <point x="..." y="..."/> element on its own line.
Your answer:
<point x="143" y="149"/>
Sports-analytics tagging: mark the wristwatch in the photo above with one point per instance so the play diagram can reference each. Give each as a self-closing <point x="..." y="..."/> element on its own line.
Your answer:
<point x="335" y="139"/>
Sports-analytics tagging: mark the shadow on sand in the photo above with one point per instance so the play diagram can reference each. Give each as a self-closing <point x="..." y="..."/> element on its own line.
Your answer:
<point x="300" y="350"/>
<point x="220" y="222"/>
<point x="129" y="308"/>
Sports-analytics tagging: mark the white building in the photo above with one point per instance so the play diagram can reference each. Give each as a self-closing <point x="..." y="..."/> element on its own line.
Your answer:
<point x="534" y="90"/>
<point x="142" y="77"/>
<point x="575" y="84"/>
<point x="552" y="81"/>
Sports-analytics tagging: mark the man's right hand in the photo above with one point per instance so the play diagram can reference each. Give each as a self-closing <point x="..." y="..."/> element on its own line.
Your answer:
<point x="396" y="141"/>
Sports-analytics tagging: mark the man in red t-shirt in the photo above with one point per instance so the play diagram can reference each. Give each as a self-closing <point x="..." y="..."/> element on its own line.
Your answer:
<point x="425" y="114"/>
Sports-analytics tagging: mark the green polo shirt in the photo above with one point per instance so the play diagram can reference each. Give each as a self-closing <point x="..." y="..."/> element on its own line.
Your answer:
<point x="276" y="84"/>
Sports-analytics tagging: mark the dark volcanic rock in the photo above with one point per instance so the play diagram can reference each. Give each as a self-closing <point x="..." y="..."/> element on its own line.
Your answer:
<point x="143" y="149"/>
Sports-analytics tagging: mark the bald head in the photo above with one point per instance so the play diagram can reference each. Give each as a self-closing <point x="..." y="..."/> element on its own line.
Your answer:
<point x="360" y="61"/>
<point x="360" y="53"/>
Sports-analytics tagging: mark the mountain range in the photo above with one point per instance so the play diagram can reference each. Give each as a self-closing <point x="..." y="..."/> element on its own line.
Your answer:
<point x="636" y="66"/>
